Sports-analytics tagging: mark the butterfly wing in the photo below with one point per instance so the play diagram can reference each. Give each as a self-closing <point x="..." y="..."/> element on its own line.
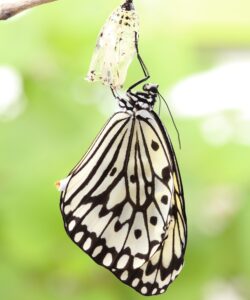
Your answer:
<point x="117" y="199"/>
<point x="165" y="264"/>
<point x="115" y="48"/>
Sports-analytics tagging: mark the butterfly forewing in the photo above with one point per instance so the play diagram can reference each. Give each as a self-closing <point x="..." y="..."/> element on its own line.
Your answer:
<point x="115" y="47"/>
<point x="118" y="198"/>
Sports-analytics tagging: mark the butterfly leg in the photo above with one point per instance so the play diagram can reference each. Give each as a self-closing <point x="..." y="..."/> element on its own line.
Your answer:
<point x="116" y="95"/>
<point x="143" y="66"/>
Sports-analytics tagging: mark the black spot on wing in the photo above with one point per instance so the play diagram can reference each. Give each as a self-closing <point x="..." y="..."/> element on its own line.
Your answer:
<point x="164" y="199"/>
<point x="118" y="226"/>
<point x="133" y="178"/>
<point x="153" y="220"/>
<point x="154" y="145"/>
<point x="166" y="174"/>
<point x="137" y="233"/>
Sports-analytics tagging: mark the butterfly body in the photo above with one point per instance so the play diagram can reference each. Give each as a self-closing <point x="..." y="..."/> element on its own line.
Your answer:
<point x="123" y="203"/>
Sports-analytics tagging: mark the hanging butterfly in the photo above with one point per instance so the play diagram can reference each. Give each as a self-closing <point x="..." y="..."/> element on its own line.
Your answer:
<point x="123" y="203"/>
<point x="116" y="47"/>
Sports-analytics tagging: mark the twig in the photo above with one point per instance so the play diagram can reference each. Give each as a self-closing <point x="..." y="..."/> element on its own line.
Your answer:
<point x="10" y="8"/>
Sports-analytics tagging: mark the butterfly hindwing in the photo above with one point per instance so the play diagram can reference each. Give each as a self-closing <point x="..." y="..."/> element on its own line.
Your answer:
<point x="165" y="264"/>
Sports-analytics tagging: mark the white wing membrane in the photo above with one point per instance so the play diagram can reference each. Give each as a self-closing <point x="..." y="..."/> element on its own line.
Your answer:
<point x="115" y="48"/>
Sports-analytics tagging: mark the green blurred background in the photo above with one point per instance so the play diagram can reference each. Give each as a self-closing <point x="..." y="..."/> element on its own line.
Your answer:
<point x="49" y="115"/>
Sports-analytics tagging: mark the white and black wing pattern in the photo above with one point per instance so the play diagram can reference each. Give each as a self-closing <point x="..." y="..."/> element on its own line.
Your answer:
<point x="117" y="200"/>
<point x="115" y="48"/>
<point x="164" y="266"/>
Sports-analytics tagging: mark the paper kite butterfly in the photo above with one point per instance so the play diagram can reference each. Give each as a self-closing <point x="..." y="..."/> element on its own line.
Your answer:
<point x="123" y="203"/>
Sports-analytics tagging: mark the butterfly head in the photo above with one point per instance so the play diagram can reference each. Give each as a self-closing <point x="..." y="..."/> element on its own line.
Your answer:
<point x="139" y="100"/>
<point x="151" y="88"/>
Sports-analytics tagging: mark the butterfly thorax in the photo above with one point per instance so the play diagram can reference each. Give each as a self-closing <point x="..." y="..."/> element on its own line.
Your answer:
<point x="136" y="101"/>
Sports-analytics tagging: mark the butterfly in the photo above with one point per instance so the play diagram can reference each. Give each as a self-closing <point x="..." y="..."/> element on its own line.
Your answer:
<point x="116" y="47"/>
<point x="123" y="203"/>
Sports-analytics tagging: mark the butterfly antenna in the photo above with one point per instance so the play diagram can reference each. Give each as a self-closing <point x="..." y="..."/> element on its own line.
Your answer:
<point x="172" y="118"/>
<point x="159" y="110"/>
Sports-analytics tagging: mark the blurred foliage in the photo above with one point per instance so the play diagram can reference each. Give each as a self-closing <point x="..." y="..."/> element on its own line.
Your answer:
<point x="51" y="47"/>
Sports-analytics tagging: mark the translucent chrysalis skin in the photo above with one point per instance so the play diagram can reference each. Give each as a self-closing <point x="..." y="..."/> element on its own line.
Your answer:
<point x="115" y="48"/>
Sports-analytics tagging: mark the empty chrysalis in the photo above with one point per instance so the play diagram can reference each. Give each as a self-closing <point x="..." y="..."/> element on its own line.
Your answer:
<point x="116" y="47"/>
